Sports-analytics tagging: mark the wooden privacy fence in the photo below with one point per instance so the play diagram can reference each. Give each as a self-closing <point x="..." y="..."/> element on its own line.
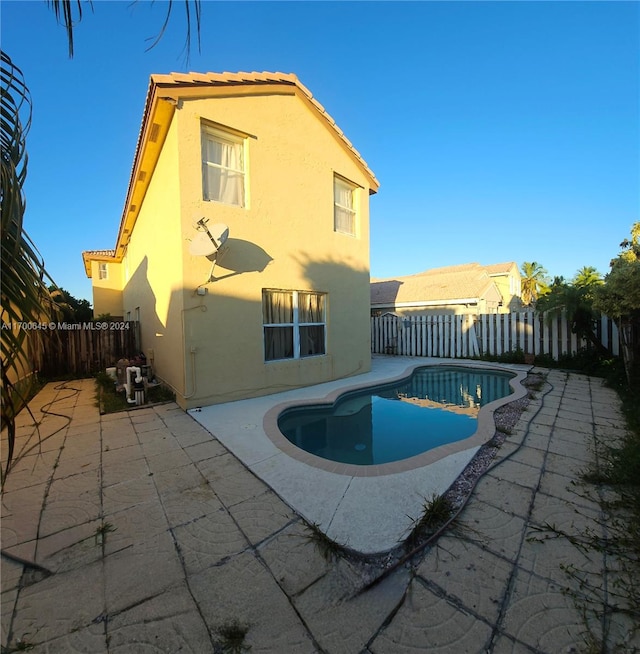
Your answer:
<point x="461" y="336"/>
<point x="82" y="349"/>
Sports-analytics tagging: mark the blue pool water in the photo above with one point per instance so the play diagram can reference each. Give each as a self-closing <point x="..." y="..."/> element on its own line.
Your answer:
<point x="435" y="406"/>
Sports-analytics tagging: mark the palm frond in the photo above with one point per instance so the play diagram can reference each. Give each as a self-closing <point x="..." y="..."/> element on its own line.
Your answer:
<point x="195" y="18"/>
<point x="65" y="15"/>
<point x="23" y="288"/>
<point x="68" y="13"/>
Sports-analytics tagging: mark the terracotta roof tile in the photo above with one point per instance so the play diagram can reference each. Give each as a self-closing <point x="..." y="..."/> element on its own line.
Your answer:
<point x="99" y="253"/>
<point x="160" y="87"/>
<point x="232" y="79"/>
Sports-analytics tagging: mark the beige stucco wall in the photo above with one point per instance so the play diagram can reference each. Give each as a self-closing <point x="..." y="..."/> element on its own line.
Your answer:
<point x="509" y="287"/>
<point x="284" y="238"/>
<point x="152" y="269"/>
<point x="107" y="293"/>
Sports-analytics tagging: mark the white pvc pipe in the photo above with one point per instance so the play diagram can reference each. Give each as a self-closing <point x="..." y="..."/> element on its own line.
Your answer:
<point x="127" y="383"/>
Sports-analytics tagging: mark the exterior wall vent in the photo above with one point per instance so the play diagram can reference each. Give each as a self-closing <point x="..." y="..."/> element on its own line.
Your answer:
<point x="153" y="132"/>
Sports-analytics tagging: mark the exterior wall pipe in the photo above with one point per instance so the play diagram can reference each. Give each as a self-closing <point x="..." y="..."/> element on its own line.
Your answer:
<point x="127" y="383"/>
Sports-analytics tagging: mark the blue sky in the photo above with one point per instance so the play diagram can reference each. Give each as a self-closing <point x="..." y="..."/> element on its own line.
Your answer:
<point x="499" y="131"/>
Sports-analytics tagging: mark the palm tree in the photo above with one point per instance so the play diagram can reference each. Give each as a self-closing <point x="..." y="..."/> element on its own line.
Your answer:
<point x="576" y="302"/>
<point x="587" y="276"/>
<point x="68" y="18"/>
<point x="25" y="296"/>
<point x="534" y="282"/>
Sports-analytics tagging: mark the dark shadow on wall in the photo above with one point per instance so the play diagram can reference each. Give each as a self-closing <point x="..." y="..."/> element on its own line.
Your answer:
<point x="515" y="304"/>
<point x="239" y="256"/>
<point x="138" y="292"/>
<point x="348" y="321"/>
<point x="197" y="364"/>
<point x="321" y="272"/>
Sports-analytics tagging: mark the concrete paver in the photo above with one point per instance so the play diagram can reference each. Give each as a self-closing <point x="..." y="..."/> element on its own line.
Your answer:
<point x="155" y="536"/>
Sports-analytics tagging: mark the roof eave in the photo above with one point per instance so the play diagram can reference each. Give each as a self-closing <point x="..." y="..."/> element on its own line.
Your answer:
<point x="156" y="121"/>
<point x="163" y="95"/>
<point x="198" y="85"/>
<point x="91" y="255"/>
<point x="426" y="303"/>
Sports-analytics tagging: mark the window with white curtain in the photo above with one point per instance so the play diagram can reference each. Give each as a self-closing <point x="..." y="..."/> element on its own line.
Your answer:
<point x="344" y="206"/>
<point x="103" y="271"/>
<point x="223" y="167"/>
<point x="293" y="323"/>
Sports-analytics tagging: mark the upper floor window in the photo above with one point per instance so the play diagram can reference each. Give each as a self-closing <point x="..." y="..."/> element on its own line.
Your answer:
<point x="103" y="271"/>
<point x="344" y="206"/>
<point x="223" y="167"/>
<point x="294" y="324"/>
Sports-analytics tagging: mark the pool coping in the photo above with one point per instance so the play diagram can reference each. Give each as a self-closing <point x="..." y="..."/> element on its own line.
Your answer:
<point x="373" y="510"/>
<point x="484" y="432"/>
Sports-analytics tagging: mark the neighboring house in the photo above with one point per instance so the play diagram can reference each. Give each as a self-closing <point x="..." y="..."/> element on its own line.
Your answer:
<point x="464" y="289"/>
<point x="107" y="282"/>
<point x="509" y="282"/>
<point x="284" y="302"/>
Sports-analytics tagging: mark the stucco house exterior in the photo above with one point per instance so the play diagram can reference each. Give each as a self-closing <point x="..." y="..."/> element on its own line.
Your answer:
<point x="464" y="289"/>
<point x="509" y="282"/>
<point x="283" y="302"/>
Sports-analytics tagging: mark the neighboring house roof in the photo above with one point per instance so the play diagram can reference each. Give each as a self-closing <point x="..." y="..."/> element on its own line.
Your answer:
<point x="100" y="253"/>
<point x="163" y="95"/>
<point x="463" y="284"/>
<point x="501" y="268"/>
<point x="96" y="255"/>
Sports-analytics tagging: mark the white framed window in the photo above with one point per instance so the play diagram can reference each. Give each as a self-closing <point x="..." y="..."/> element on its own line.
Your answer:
<point x="344" y="206"/>
<point x="103" y="271"/>
<point x="294" y="324"/>
<point x="223" y="167"/>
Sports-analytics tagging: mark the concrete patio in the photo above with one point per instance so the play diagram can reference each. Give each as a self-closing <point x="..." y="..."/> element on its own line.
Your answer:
<point x="149" y="534"/>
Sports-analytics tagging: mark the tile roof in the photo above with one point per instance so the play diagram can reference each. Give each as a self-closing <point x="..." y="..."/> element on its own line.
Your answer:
<point x="195" y="80"/>
<point x="497" y="268"/>
<point x="467" y="281"/>
<point x="100" y="253"/>
<point x="175" y="86"/>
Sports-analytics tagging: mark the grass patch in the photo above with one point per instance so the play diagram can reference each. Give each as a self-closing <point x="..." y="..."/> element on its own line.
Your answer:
<point x="617" y="471"/>
<point x="232" y="635"/>
<point x="102" y="531"/>
<point x="435" y="513"/>
<point x="327" y="547"/>
<point x="110" y="401"/>
<point x="587" y="361"/>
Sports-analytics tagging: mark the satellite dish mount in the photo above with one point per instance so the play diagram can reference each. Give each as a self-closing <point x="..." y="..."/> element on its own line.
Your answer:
<point x="209" y="242"/>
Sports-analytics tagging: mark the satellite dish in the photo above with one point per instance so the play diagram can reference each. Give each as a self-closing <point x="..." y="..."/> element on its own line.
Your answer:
<point x="202" y="246"/>
<point x="219" y="232"/>
<point x="208" y="240"/>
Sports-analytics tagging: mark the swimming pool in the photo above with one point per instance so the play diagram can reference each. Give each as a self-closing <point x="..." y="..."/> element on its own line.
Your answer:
<point x="435" y="406"/>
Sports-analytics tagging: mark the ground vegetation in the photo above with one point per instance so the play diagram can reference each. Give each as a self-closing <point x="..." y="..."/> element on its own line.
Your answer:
<point x="26" y="287"/>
